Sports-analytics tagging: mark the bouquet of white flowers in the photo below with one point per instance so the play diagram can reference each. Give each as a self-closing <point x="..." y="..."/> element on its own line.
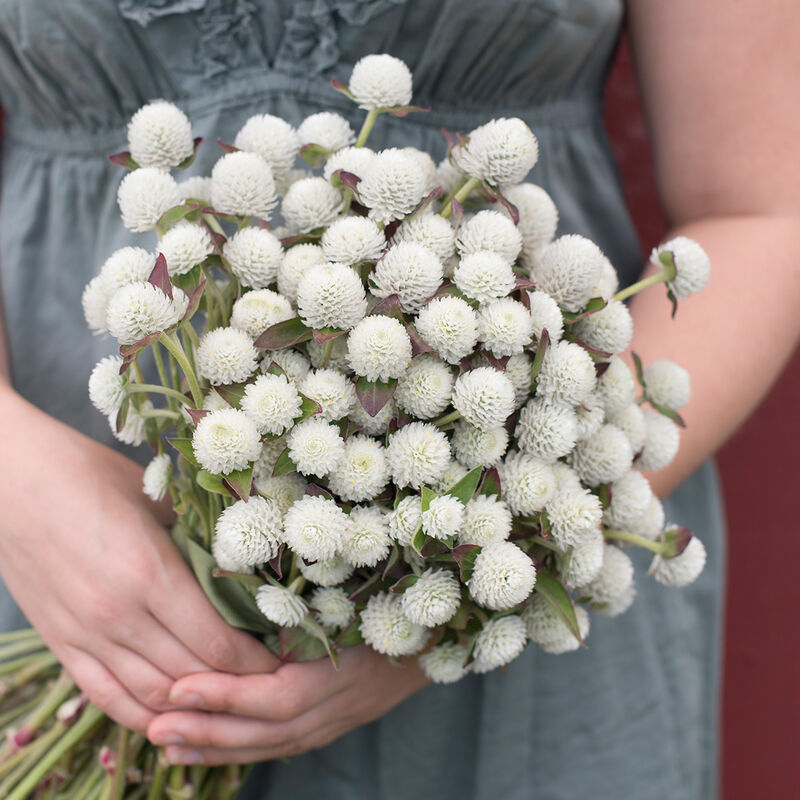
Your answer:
<point x="396" y="417"/>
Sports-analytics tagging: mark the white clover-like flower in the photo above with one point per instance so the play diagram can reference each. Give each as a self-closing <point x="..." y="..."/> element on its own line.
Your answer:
<point x="327" y="572"/>
<point x="604" y="457"/>
<point x="504" y="327"/>
<point x="585" y="559"/>
<point x="314" y="527"/>
<point x="272" y="402"/>
<point x="518" y="371"/>
<point x="616" y="387"/>
<point x="528" y="484"/>
<point x="388" y="630"/>
<point x="591" y="415"/>
<point x="255" y="256"/>
<point x="242" y="184"/>
<point x="334" y="357"/>
<point x="651" y="523"/>
<point x="484" y="276"/>
<point x="566" y="477"/>
<point x="608" y="283"/>
<point x="354" y="160"/>
<point x="332" y="390"/>
<point x="226" y="355"/>
<point x="295" y="262"/>
<point x="433" y="599"/>
<point x="538" y="218"/>
<point x="502" y="151"/>
<point x="250" y="532"/>
<point x="160" y="135"/>
<point x="139" y="309"/>
<point x="614" y="578"/>
<point x="367" y="539"/>
<point x="155" y="480"/>
<point x="443" y="517"/>
<point x="144" y="195"/>
<point x="661" y="442"/>
<point x="362" y="472"/>
<point x="331" y="296"/>
<point x="379" y="348"/>
<point x="547" y="431"/>
<point x="380" y="81"/>
<point x="409" y="270"/>
<point x="445" y="663"/>
<point x="448" y="176"/>
<point x="125" y="266"/>
<point x="428" y="166"/>
<point x="350" y="240"/>
<point x="274" y="139"/>
<point x="133" y="431"/>
<point x="285" y="490"/>
<point x="431" y="231"/>
<point x="94" y="302"/>
<point x="619" y="604"/>
<point x="280" y="606"/>
<point x="315" y="446"/>
<point x="197" y="187"/>
<point x="610" y="329"/>
<point x="567" y="375"/>
<point x="486" y="520"/>
<point x="405" y="520"/>
<point x="418" y="453"/>
<point x="568" y="269"/>
<point x="450" y="326"/>
<point x="392" y="185"/>
<point x="328" y="130"/>
<point x="107" y="386"/>
<point x="489" y="231"/>
<point x="692" y="265"/>
<point x="425" y="389"/>
<point x="574" y="514"/>
<point x="503" y="576"/>
<point x="373" y="426"/>
<point x="547" y="628"/>
<point x="630" y="499"/>
<point x="484" y="397"/>
<point x="292" y="362"/>
<point x="683" y="569"/>
<point x="332" y="607"/>
<point x="545" y="314"/>
<point x="213" y="401"/>
<point x="450" y="477"/>
<point x="667" y="384"/>
<point x="184" y="246"/>
<point x="474" y="447"/>
<point x="499" y="643"/>
<point x="225" y="441"/>
<point x="311" y="203"/>
<point x="256" y="311"/>
<point x="630" y="420"/>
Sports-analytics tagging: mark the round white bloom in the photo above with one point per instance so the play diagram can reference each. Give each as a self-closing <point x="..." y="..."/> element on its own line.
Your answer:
<point x="501" y="151"/>
<point x="444" y="517"/>
<point x="490" y="231"/>
<point x="428" y="166"/>
<point x="504" y="327"/>
<point x="367" y="539"/>
<point x="354" y="160"/>
<point x="160" y="135"/>
<point x="450" y="477"/>
<point x="144" y="195"/>
<point x="651" y="523"/>
<point x="392" y="185"/>
<point x="226" y="355"/>
<point x="293" y="363"/>
<point x="545" y="430"/>
<point x="362" y="473"/>
<point x="518" y="371"/>
<point x="405" y="520"/>
<point x="213" y="401"/>
<point x="196" y="188"/>
<point x="133" y="431"/>
<point x="667" y="384"/>
<point x="155" y="480"/>
<point x="242" y="184"/>
<point x="283" y="490"/>
<point x="433" y="599"/>
<point x="630" y="420"/>
<point x="125" y="266"/>
<point x="418" y="453"/>
<point x="614" y="578"/>
<point x="503" y="576"/>
<point x="474" y="447"/>
<point x="225" y="441"/>
<point x="591" y="415"/>
<point x="388" y="630"/>
<point x="409" y="270"/>
<point x="683" y="569"/>
<point x="272" y="402"/>
<point x="311" y="203"/>
<point x="448" y="175"/>
<point x="662" y="439"/>
<point x="692" y="265"/>
<point x="484" y="397"/>
<point x="545" y="314"/>
<point x="484" y="276"/>
<point x="486" y="520"/>
<point x="255" y="256"/>
<point x="350" y="240"/>
<point x="567" y="374"/>
<point x="328" y="130"/>
<point x="294" y="264"/>
<point x="499" y="643"/>
<point x="379" y="348"/>
<point x="327" y="572"/>
<point x="94" y="301"/>
<point x="184" y="246"/>
<point x="336" y="356"/>
<point x="107" y="386"/>
<point x="445" y="662"/>
<point x="373" y="426"/>
<point x="604" y="457"/>
<point x="250" y="532"/>
<point x="331" y="296"/>
<point x="547" y="628"/>
<point x="538" y="218"/>
<point x="280" y="606"/>
<point x="610" y="329"/>
<point x="450" y="326"/>
<point x="585" y="559"/>
<point x="315" y="446"/>
<point x="616" y="387"/>
<point x="608" y="283"/>
<point x="424" y="391"/>
<point x="574" y="514"/>
<point x="568" y="269"/>
<point x="332" y="607"/>
<point x="256" y="311"/>
<point x="274" y="139"/>
<point x="380" y="81"/>
<point x="431" y="231"/>
<point x="139" y="309"/>
<point x="332" y="390"/>
<point x="566" y="477"/>
<point x="630" y="498"/>
<point x="314" y="527"/>
<point x="619" y="604"/>
<point x="528" y="484"/>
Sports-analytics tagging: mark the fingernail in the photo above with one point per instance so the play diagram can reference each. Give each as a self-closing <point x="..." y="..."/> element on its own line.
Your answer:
<point x="170" y="738"/>
<point x="191" y="699"/>
<point x="181" y="756"/>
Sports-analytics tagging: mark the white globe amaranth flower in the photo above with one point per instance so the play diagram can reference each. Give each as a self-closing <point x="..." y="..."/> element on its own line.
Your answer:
<point x="591" y="415"/>
<point x="272" y="402"/>
<point x="332" y="390"/>
<point x="651" y="523"/>
<point x="311" y="203"/>
<point x="367" y="539"/>
<point x="445" y="663"/>
<point x="250" y="532"/>
<point x="567" y="375"/>
<point x="418" y="454"/>
<point x="197" y="187"/>
<point x="547" y="431"/>
<point x="545" y="314"/>
<point x="354" y="160"/>
<point x="574" y="514"/>
<point x="379" y="348"/>
<point x="315" y="446"/>
<point x="329" y="130"/>
<point x="255" y="256"/>
<point x="185" y="246"/>
<point x="433" y="599"/>
<point x="610" y="329"/>
<point x="334" y="358"/>
<point x="604" y="457"/>
<point x="518" y="371"/>
<point x="94" y="301"/>
<point x="256" y="311"/>
<point x="380" y="81"/>
<point x="443" y="518"/>
<point x="502" y="151"/>
<point x="631" y="496"/>
<point x="448" y="175"/>
<point x="547" y="628"/>
<point x="585" y="559"/>
<point x="274" y="139"/>
<point x="619" y="604"/>
<point x="133" y="432"/>
<point x="538" y="218"/>
<point x="692" y="265"/>
<point x="285" y="490"/>
<point x="139" y="309"/>
<point x="528" y="484"/>
<point x="327" y="572"/>
<point x="293" y="363"/>
<point x="661" y="442"/>
<point x="431" y="231"/>
<point x="155" y="480"/>
<point x="280" y="606"/>
<point x="474" y="447"/>
<point x="295" y="262"/>
<point x="242" y="184"/>
<point x="503" y="576"/>
<point x="683" y="569"/>
<point x="450" y="326"/>
<point x="425" y="389"/>
<point x="567" y="269"/>
<point x="450" y="477"/>
<point x="392" y="185"/>
<point x="614" y="578"/>
<point x="350" y="240"/>
<point x="107" y="386"/>
<point x="608" y="283"/>
<point x="362" y="472"/>
<point x="616" y="387"/>
<point x="373" y="426"/>
<point x="566" y="477"/>
<point x="314" y="527"/>
<point x="388" y="630"/>
<point x="484" y="276"/>
<point x="405" y="520"/>
<point x="504" y="327"/>
<point x="160" y="135"/>
<point x="144" y="196"/>
<point x="225" y="441"/>
<point x="486" y="520"/>
<point x="332" y="607"/>
<point x="409" y="270"/>
<point x="213" y="401"/>
<point x="667" y="384"/>
<point x="125" y="266"/>
<point x="630" y="420"/>
<point x="499" y="643"/>
<point x="428" y="166"/>
<point x="489" y="231"/>
<point x="226" y="355"/>
<point x="331" y="296"/>
<point x="484" y="397"/>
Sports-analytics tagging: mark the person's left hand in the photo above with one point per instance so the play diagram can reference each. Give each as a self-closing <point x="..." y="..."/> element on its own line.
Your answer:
<point x="297" y="708"/>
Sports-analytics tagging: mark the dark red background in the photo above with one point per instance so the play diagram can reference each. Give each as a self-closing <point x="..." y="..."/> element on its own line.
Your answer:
<point x="760" y="473"/>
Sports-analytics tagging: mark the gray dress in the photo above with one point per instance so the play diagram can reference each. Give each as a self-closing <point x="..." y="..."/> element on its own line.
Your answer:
<point x="632" y="717"/>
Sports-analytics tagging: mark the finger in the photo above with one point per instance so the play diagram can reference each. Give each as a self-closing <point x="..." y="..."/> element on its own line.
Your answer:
<point x="148" y="684"/>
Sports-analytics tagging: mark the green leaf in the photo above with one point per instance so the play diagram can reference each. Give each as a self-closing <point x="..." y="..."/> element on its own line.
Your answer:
<point x="460" y="619"/>
<point x="541" y="349"/>
<point x="283" y="465"/>
<point x="314" y="154"/>
<point x="388" y="306"/>
<point x="171" y="216"/>
<point x="556" y="595"/>
<point x="184" y="447"/>
<point x="592" y="307"/>
<point x="465" y="555"/>
<point x="394" y="557"/>
<point x="284" y="334"/>
<point x="465" y="489"/>
<point x="427" y="496"/>
<point x="298" y="645"/>
<point x="418" y="541"/>
<point x="406" y="582"/>
<point x="189" y="160"/>
<point x="312" y="627"/>
<point x="123" y="159"/>
<point x="212" y="483"/>
<point x="231" y="393"/>
<point x="240" y="482"/>
<point x="637" y="363"/>
<point x="669" y="413"/>
<point x="342" y="87"/>
<point x="490" y="485"/>
<point x="308" y="408"/>
<point x="350" y="636"/>
<point x="323" y="335"/>
<point x="676" y="540"/>
<point x="667" y="259"/>
<point x="374" y="395"/>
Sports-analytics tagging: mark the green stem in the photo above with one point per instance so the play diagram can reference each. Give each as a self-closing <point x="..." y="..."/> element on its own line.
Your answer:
<point x="90" y="782"/>
<point x="166" y="384"/>
<point x="170" y="341"/>
<point x="118" y="786"/>
<point x="640" y="541"/>
<point x="189" y="330"/>
<point x="25" y="669"/>
<point x="447" y="202"/>
<point x="326" y="354"/>
<point x="61" y="689"/>
<point x="159" y="777"/>
<point x="447" y="419"/>
<point x="659" y="277"/>
<point x="372" y="115"/>
<point x="213" y="291"/>
<point x="461" y="195"/>
<point x="156" y="389"/>
<point x="549" y="544"/>
<point x="213" y="223"/>
<point x="15" y="636"/>
<point x="297" y="585"/>
<point x="20" y="647"/>
<point x="28" y="759"/>
<point x="159" y="413"/>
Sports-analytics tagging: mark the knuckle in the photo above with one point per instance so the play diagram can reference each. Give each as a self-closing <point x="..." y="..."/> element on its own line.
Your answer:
<point x="288" y="705"/>
<point x="220" y="653"/>
<point x="155" y="695"/>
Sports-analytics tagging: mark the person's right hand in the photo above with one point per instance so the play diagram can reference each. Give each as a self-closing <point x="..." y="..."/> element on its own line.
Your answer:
<point x="88" y="560"/>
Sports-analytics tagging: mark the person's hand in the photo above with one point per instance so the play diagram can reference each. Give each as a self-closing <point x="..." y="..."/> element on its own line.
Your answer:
<point x="297" y="708"/>
<point x="84" y="554"/>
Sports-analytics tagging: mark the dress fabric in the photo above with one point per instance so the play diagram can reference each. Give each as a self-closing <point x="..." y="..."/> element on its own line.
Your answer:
<point x="634" y="715"/>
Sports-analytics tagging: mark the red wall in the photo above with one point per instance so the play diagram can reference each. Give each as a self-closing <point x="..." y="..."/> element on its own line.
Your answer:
<point x="760" y="473"/>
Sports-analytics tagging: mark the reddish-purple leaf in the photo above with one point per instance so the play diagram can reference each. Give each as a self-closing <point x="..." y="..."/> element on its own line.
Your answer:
<point x="418" y="344"/>
<point x="456" y="213"/>
<point x="465" y="555"/>
<point x="403" y="111"/>
<point x="495" y="194"/>
<point x="490" y="485"/>
<point x="523" y="282"/>
<point x="240" y="483"/>
<point x="451" y="142"/>
<point x="284" y="334"/>
<point x="349" y="180"/>
<point x="374" y="395"/>
<point x="275" y="563"/>
<point x="594" y="351"/>
<point x="678" y="540"/>
<point x="189" y="160"/>
<point x="159" y="277"/>
<point x="340" y="86"/>
<point x="123" y="159"/>
<point x="228" y="148"/>
<point x="498" y="363"/>
<point x="391" y="229"/>
<point x="196" y="414"/>
<point x="131" y="351"/>
<point x="300" y="238"/>
<point x="315" y="490"/>
<point x="194" y="300"/>
<point x="388" y="306"/>
<point x="600" y="368"/>
<point x="324" y="335"/>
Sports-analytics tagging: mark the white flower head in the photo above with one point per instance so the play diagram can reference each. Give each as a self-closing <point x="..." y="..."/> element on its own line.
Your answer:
<point x="326" y="129"/>
<point x="566" y="477"/>
<point x="294" y="264"/>
<point x="144" y="195"/>
<point x="367" y="539"/>
<point x="585" y="559"/>
<point x="631" y="496"/>
<point x="332" y="390"/>
<point x="484" y="276"/>
<point x="250" y="533"/>
<point x="155" y="480"/>
<point x="125" y="266"/>
<point x="226" y="355"/>
<point x="94" y="302"/>
<point x="547" y="627"/>
<point x="315" y="446"/>
<point x="489" y="231"/>
<point x="546" y="431"/>
<point x="362" y="472"/>
<point x="443" y="517"/>
<point x="425" y="389"/>
<point x="608" y="283"/>
<point x="332" y="607"/>
<point x="242" y="184"/>
<point x="280" y="606"/>
<point x="256" y="311"/>
<point x="614" y="578"/>
<point x="405" y="519"/>
<point x="448" y="175"/>
<point x="604" y="457"/>
<point x="692" y="265"/>
<point x="354" y="160"/>
<point x="450" y="326"/>
<point x="619" y="604"/>
<point x="431" y="231"/>
<point x="418" y="453"/>
<point x="661" y="442"/>
<point x="528" y="484"/>
<point x="450" y="477"/>
<point x="225" y="441"/>
<point x="651" y="523"/>
<point x="499" y="643"/>
<point x="538" y="218"/>
<point x="284" y="491"/>
<point x="380" y="81"/>
<point x="327" y="572"/>
<point x="445" y="663"/>
<point x="610" y="329"/>
<point x="567" y="375"/>
<point x="591" y="416"/>
<point x="107" y="386"/>
<point x="433" y="599"/>
<point x="683" y="569"/>
<point x="568" y="269"/>
<point x="379" y="348"/>
<point x="574" y="515"/>
<point x="667" y="384"/>
<point x="545" y="314"/>
<point x="501" y="151"/>
<point x="388" y="630"/>
<point x="518" y="371"/>
<point x="486" y="520"/>
<point x="139" y="309"/>
<point x="292" y="362"/>
<point x="373" y="426"/>
<point x="504" y="327"/>
<point x="314" y="527"/>
<point x="503" y="576"/>
<point x="331" y="296"/>
<point x="484" y="397"/>
<point x="184" y="246"/>
<point x="255" y="255"/>
<point x="160" y="135"/>
<point x="630" y="420"/>
<point x="616" y="387"/>
<point x="272" y="402"/>
<point x="311" y="203"/>
<point x="475" y="447"/>
<point x="392" y="185"/>
<point x="428" y="166"/>
<point x="409" y="270"/>
<point x="350" y="240"/>
<point x="334" y="357"/>
<point x="133" y="431"/>
<point x="196" y="188"/>
<point x="274" y="139"/>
